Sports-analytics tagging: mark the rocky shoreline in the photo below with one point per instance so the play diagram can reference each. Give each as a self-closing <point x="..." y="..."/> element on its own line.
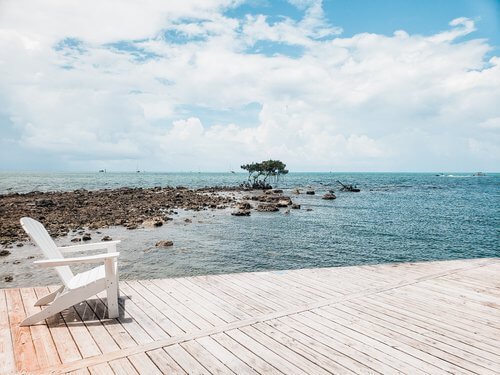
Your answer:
<point x="76" y="211"/>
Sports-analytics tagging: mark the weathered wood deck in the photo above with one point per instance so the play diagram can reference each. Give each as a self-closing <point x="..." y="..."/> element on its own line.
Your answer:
<point x="418" y="318"/>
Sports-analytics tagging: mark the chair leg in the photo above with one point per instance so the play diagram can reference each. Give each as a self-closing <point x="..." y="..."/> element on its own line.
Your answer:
<point x="111" y="289"/>
<point x="62" y="302"/>
<point x="49" y="297"/>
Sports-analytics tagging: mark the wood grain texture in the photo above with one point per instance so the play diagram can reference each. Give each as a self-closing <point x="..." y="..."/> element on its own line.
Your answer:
<point x="418" y="318"/>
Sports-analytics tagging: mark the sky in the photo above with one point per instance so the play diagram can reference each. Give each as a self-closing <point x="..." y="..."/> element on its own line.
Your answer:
<point x="209" y="85"/>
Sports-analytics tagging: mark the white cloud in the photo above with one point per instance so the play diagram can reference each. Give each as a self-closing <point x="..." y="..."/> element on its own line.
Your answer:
<point x="366" y="102"/>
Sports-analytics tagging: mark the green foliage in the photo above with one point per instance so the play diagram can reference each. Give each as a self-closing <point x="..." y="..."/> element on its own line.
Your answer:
<point x="265" y="169"/>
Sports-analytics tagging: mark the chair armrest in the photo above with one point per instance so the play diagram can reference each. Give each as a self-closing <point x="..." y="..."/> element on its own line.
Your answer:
<point x="110" y="245"/>
<point x="99" y="258"/>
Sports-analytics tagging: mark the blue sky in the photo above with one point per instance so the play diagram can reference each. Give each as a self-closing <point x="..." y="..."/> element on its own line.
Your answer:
<point x="335" y="85"/>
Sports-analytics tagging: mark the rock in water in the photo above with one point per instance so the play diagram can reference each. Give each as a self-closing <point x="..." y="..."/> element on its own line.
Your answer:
<point x="86" y="237"/>
<point x="284" y="202"/>
<point x="106" y="238"/>
<point x="244" y="206"/>
<point x="164" y="243"/>
<point x="329" y="196"/>
<point x="267" y="208"/>
<point x="241" y="213"/>
<point x="310" y="192"/>
<point x="4" y="253"/>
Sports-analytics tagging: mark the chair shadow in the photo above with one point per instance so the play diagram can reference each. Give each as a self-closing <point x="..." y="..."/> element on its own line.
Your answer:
<point x="92" y="312"/>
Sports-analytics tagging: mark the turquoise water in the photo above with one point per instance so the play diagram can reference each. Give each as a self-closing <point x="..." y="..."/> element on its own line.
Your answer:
<point x="395" y="218"/>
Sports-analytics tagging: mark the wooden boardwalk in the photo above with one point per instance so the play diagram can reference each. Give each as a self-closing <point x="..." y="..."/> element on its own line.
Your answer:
<point x="413" y="318"/>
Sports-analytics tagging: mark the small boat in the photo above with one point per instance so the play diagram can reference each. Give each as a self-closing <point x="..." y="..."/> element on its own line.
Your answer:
<point x="479" y="174"/>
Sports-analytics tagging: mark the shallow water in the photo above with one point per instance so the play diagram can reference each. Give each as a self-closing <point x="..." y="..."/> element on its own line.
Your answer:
<point x="395" y="218"/>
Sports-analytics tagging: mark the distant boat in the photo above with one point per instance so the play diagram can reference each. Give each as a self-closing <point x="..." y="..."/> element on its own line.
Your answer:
<point x="232" y="171"/>
<point x="479" y="174"/>
<point x="102" y="171"/>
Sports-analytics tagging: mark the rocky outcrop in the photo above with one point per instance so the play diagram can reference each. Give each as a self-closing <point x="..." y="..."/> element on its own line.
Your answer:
<point x="62" y="212"/>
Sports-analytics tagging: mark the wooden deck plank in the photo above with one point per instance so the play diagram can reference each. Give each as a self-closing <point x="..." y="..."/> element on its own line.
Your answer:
<point x="389" y="321"/>
<point x="253" y="292"/>
<point x="441" y="351"/>
<point x="236" y="295"/>
<point x="223" y="310"/>
<point x="144" y="364"/>
<point x="205" y="357"/>
<point x="225" y="356"/>
<point x="245" y="355"/>
<point x="185" y="360"/>
<point x="356" y="362"/>
<point x="101" y="336"/>
<point x="464" y="319"/>
<point x="345" y="280"/>
<point x="457" y="311"/>
<point x="264" y="352"/>
<point x="442" y="287"/>
<point x="153" y="294"/>
<point x="81" y="336"/>
<point x="245" y="307"/>
<point x="145" y="321"/>
<point x="82" y="371"/>
<point x="164" y="362"/>
<point x="24" y="350"/>
<point x="460" y="282"/>
<point x="101" y="369"/>
<point x="430" y="354"/>
<point x="65" y="345"/>
<point x="122" y="366"/>
<point x="42" y="339"/>
<point x="280" y="289"/>
<point x="438" y="324"/>
<point x="305" y="351"/>
<point x="195" y="319"/>
<point x="6" y="346"/>
<point x="156" y="313"/>
<point x="187" y="298"/>
<point x="383" y="357"/>
<point x="435" y="317"/>
<point x="273" y="344"/>
<point x="117" y="331"/>
<point x="474" y="309"/>
<point x="308" y="284"/>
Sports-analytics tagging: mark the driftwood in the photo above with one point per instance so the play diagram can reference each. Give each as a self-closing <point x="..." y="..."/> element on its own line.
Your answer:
<point x="350" y="188"/>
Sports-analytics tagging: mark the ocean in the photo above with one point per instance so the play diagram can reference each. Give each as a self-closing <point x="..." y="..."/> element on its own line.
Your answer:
<point x="397" y="217"/>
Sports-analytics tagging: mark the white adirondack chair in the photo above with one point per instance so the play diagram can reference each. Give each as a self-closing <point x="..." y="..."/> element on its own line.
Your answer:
<point x="79" y="287"/>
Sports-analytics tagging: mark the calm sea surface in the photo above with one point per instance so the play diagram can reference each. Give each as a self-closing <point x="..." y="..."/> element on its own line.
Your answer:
<point x="395" y="218"/>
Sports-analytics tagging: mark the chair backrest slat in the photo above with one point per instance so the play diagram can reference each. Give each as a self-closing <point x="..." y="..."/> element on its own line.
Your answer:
<point x="41" y="237"/>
